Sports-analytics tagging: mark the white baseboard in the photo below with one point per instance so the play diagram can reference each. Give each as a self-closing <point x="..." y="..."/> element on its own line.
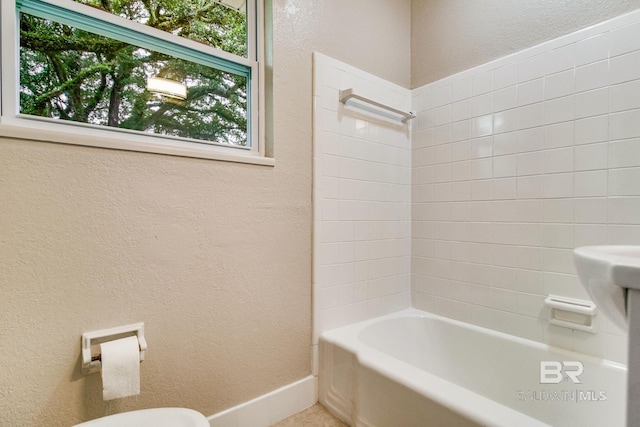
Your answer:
<point x="270" y="408"/>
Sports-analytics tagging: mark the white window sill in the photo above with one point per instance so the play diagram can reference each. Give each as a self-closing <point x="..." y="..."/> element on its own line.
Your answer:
<point x="123" y="140"/>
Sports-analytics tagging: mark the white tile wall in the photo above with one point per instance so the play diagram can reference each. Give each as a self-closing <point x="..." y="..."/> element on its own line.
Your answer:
<point x="362" y="193"/>
<point x="542" y="156"/>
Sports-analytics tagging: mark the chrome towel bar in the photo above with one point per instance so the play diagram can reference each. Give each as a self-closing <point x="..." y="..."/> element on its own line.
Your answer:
<point x="347" y="94"/>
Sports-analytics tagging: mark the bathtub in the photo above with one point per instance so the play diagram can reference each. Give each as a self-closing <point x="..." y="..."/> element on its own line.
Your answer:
<point x="414" y="368"/>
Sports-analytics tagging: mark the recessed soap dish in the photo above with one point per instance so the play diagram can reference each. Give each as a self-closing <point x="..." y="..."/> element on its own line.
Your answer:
<point x="572" y="313"/>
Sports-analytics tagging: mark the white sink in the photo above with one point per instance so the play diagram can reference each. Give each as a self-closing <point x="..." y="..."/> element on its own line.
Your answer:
<point x="607" y="272"/>
<point x="157" y="417"/>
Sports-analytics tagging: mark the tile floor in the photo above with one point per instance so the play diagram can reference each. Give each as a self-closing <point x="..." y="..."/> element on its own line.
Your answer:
<point x="315" y="416"/>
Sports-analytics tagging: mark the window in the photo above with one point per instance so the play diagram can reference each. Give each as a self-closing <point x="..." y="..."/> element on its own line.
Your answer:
<point x="170" y="76"/>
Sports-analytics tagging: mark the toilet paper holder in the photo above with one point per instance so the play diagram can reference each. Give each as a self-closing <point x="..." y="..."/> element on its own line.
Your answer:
<point x="91" y="361"/>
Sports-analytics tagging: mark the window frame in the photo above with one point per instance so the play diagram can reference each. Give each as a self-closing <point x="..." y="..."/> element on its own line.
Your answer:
<point x="20" y="126"/>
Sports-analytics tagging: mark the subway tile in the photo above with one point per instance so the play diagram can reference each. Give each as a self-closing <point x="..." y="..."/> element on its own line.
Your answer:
<point x="563" y="284"/>
<point x="503" y="256"/>
<point x="592" y="103"/>
<point x="422" y="139"/>
<point x="529" y="280"/>
<point x="624" y="68"/>
<point x="593" y="49"/>
<point x="559" y="110"/>
<point x="461" y="89"/>
<point x="482" y="104"/>
<point x="530" y="163"/>
<point x="559" y="135"/>
<point x="482" y="126"/>
<point x="592" y="129"/>
<point x="505" y="143"/>
<point x="481" y="190"/>
<point x="505" y="188"/>
<point x="504" y="166"/>
<point x="531" y="139"/>
<point x="330" y="165"/>
<point x="623" y="234"/>
<point x="425" y="99"/>
<point x="558" y="235"/>
<point x="624" y="153"/>
<point x="505" y="99"/>
<point x="442" y="95"/>
<point x="505" y="76"/>
<point x="442" y="173"/>
<point x="529" y="210"/>
<point x="460" y="211"/>
<point x="531" y="68"/>
<point x="625" y="96"/>
<point x="560" y="84"/>
<point x="505" y="233"/>
<point x="505" y="121"/>
<point x="329" y="187"/>
<point x="442" y="115"/>
<point x="592" y="210"/>
<point x="461" y="110"/>
<point x="531" y="92"/>
<point x="592" y="76"/>
<point x="461" y="150"/>
<point x="558" y="210"/>
<point x="530" y="305"/>
<point x="559" y="260"/>
<point x="461" y="191"/>
<point x="482" y="83"/>
<point x="481" y="232"/>
<point x="624" y="182"/>
<point x="529" y="234"/>
<point x="558" y="160"/>
<point x="424" y="157"/>
<point x="531" y="115"/>
<point x="530" y="258"/>
<point x="625" y="39"/>
<point x="442" y="134"/>
<point x="561" y="59"/>
<point x="461" y="130"/>
<point x="481" y="211"/>
<point x="591" y="156"/>
<point x="624" y="125"/>
<point x="558" y="185"/>
<point x="529" y="187"/>
<point x="555" y="130"/>
<point x="504" y="210"/>
<point x="442" y="153"/>
<point x="441" y="192"/>
<point x="460" y="251"/>
<point x="624" y="210"/>
<point x="589" y="234"/>
<point x="481" y="147"/>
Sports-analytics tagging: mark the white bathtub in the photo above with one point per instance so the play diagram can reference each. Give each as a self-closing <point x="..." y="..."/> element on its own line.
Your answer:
<point x="414" y="368"/>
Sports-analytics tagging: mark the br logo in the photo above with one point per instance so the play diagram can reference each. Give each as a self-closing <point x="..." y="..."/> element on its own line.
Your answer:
<point x="552" y="372"/>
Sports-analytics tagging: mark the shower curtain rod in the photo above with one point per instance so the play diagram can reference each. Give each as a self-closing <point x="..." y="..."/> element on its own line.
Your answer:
<point x="347" y="94"/>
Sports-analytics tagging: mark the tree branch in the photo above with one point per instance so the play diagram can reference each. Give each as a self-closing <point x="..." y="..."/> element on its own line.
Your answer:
<point x="46" y="97"/>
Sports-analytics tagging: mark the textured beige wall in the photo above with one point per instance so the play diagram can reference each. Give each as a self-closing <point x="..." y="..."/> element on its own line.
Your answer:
<point x="451" y="36"/>
<point x="214" y="257"/>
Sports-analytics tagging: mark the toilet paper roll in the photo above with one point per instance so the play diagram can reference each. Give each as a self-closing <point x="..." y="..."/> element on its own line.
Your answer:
<point x="120" y="368"/>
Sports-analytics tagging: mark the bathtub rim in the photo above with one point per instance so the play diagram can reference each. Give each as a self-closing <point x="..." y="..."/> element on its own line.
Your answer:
<point x="476" y="407"/>
<point x="352" y="331"/>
